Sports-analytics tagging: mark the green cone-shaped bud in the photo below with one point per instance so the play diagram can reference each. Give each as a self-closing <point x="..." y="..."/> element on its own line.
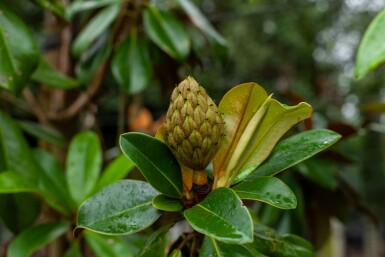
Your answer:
<point x="194" y="126"/>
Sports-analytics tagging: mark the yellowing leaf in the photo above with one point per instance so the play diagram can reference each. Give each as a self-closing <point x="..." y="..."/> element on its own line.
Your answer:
<point x="254" y="124"/>
<point x="238" y="110"/>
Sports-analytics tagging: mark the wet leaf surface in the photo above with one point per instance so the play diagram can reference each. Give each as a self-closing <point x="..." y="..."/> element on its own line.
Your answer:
<point x="119" y="209"/>
<point x="295" y="149"/>
<point x="270" y="190"/>
<point x="222" y="216"/>
<point x="156" y="162"/>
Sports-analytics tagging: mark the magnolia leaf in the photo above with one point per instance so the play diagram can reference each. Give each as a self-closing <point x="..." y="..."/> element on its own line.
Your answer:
<point x="54" y="191"/>
<point x="19" y="55"/>
<point x="167" y="32"/>
<point x="371" y="52"/>
<point x="201" y="22"/>
<point x="254" y="124"/>
<point x="80" y="6"/>
<point x="268" y="242"/>
<point x="33" y="238"/>
<point x="90" y="63"/>
<point x="12" y="182"/>
<point x="49" y="76"/>
<point x="295" y="149"/>
<point x="84" y="162"/>
<point x="26" y="205"/>
<point x="270" y="190"/>
<point x="95" y="28"/>
<point x="165" y="203"/>
<point x="121" y="208"/>
<point x="45" y="133"/>
<point x="131" y="65"/>
<point x="222" y="216"/>
<point x="155" y="160"/>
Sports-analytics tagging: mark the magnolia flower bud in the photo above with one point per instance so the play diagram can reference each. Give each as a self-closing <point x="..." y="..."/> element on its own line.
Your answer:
<point x="193" y="126"/>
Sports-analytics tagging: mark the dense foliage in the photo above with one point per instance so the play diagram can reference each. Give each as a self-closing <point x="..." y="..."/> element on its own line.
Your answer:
<point x="76" y="75"/>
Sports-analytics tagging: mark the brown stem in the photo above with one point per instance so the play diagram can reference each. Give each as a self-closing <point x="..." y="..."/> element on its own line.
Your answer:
<point x="35" y="106"/>
<point x="122" y="108"/>
<point x="84" y="98"/>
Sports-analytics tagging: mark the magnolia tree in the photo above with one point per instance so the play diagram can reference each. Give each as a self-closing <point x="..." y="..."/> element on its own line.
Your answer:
<point x="206" y="171"/>
<point x="240" y="139"/>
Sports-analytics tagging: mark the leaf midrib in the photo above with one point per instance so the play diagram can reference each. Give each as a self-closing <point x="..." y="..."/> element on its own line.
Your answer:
<point x="266" y="133"/>
<point x="226" y="161"/>
<point x="216" y="215"/>
<point x="118" y="213"/>
<point x="153" y="164"/>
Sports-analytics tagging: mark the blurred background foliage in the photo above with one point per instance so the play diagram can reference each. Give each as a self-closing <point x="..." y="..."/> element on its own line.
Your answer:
<point x="300" y="50"/>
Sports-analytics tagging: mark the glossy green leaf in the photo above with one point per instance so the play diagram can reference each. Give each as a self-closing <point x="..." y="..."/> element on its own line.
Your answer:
<point x="175" y="253"/>
<point x="51" y="77"/>
<point x="74" y="250"/>
<point x="90" y="62"/>
<point x="119" y="209"/>
<point x="254" y="124"/>
<point x="81" y="6"/>
<point x="321" y="171"/>
<point x="53" y="6"/>
<point x="107" y="246"/>
<point x="222" y="216"/>
<point x="52" y="188"/>
<point x="95" y="28"/>
<point x="116" y="170"/>
<point x="18" y="155"/>
<point x="213" y="248"/>
<point x="371" y="52"/>
<point x="294" y="150"/>
<point x="83" y="165"/>
<point x="268" y="242"/>
<point x="131" y="65"/>
<point x="33" y="238"/>
<point x="18" y="158"/>
<point x="167" y="33"/>
<point x="45" y="133"/>
<point x="270" y="190"/>
<point x="12" y="182"/>
<point x="165" y="203"/>
<point x="155" y="161"/>
<point x="156" y="244"/>
<point x="19" y="211"/>
<point x="201" y="22"/>
<point x="17" y="60"/>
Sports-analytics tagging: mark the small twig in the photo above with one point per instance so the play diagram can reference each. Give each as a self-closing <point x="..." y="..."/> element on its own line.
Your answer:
<point x="193" y="245"/>
<point x="185" y="240"/>
<point x="35" y="106"/>
<point x="84" y="98"/>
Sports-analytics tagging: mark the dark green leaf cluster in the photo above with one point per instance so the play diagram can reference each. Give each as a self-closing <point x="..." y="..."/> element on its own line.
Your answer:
<point x="222" y="217"/>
